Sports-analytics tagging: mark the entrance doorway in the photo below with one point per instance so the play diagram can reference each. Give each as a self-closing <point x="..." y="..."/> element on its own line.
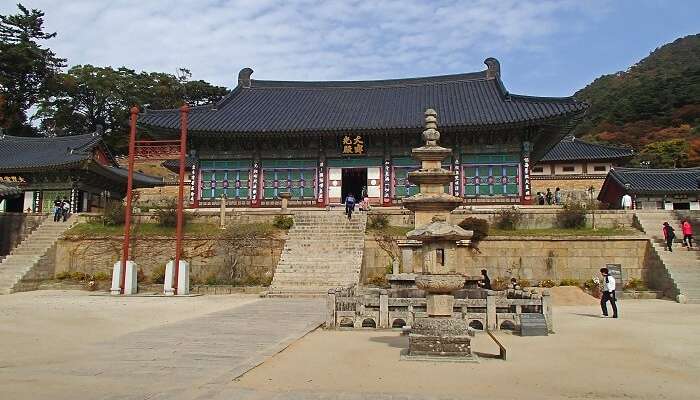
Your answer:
<point x="354" y="179"/>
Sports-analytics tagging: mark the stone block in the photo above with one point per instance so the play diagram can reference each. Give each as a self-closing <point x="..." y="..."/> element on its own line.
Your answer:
<point x="440" y="305"/>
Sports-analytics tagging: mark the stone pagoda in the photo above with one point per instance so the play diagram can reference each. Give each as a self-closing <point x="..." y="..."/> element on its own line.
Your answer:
<point x="440" y="334"/>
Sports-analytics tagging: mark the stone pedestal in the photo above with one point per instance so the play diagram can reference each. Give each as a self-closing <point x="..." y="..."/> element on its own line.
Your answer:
<point x="440" y="305"/>
<point x="183" y="278"/>
<point x="441" y="337"/>
<point x="130" y="283"/>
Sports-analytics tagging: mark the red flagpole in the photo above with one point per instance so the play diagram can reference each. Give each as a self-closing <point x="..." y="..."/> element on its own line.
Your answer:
<point x="184" y="111"/>
<point x="129" y="187"/>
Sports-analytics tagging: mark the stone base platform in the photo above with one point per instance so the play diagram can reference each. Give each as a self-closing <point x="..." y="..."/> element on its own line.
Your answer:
<point x="439" y="346"/>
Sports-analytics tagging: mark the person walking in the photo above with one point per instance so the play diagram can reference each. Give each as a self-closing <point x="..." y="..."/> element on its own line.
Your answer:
<point x="626" y="202"/>
<point x="557" y="196"/>
<point x="57" y="209"/>
<point x="66" y="209"/>
<point x="669" y="235"/>
<point x="687" y="230"/>
<point x="485" y="282"/>
<point x="608" y="286"/>
<point x="349" y="205"/>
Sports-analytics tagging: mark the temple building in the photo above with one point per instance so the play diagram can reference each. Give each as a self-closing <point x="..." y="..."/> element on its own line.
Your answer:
<point x="323" y="140"/>
<point x="653" y="188"/>
<point x="577" y="167"/>
<point x="35" y="171"/>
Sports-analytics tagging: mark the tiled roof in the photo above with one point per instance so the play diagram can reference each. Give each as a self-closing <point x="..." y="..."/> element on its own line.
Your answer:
<point x="174" y="165"/>
<point x="476" y="99"/>
<point x="657" y="181"/>
<point x="24" y="153"/>
<point x="140" y="180"/>
<point x="571" y="149"/>
<point x="8" y="190"/>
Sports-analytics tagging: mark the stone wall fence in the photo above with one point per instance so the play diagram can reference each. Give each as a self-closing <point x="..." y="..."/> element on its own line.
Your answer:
<point x="14" y="227"/>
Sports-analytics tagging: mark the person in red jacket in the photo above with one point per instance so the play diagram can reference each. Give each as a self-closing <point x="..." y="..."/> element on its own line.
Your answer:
<point x="687" y="230"/>
<point x="669" y="235"/>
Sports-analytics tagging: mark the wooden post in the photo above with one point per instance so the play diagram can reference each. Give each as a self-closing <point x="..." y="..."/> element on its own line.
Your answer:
<point x="330" y="309"/>
<point x="184" y="110"/>
<point x="491" y="322"/>
<point x="129" y="187"/>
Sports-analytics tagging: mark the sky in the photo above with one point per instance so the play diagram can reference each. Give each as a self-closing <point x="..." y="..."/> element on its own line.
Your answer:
<point x="546" y="47"/>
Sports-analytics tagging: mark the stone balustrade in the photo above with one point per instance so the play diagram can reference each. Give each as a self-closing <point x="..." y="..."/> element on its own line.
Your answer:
<point x="376" y="308"/>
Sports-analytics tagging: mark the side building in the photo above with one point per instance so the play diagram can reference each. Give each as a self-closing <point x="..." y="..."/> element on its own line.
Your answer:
<point x="323" y="140"/>
<point x="577" y="167"/>
<point x="653" y="189"/>
<point x="38" y="170"/>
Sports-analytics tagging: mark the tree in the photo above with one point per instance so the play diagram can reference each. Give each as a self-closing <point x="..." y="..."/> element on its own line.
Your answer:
<point x="665" y="154"/>
<point x="87" y="96"/>
<point x="26" y="68"/>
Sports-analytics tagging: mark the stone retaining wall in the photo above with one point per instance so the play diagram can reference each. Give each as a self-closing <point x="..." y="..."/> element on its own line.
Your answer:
<point x="14" y="227"/>
<point x="539" y="258"/>
<point x="92" y="255"/>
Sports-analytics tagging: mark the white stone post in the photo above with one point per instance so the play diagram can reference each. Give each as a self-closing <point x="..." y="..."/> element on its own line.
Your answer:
<point x="330" y="309"/>
<point x="383" y="308"/>
<point x="130" y="283"/>
<point x="491" y="322"/>
<point x="547" y="310"/>
<point x="222" y="213"/>
<point x="183" y="278"/>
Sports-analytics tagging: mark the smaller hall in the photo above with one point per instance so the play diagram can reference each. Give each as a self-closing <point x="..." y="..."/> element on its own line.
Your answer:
<point x="322" y="140"/>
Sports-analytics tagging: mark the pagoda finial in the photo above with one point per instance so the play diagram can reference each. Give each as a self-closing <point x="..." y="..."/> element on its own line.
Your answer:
<point x="431" y="134"/>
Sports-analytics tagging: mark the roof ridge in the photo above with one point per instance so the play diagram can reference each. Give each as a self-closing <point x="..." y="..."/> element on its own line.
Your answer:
<point x="393" y="82"/>
<point x="655" y="170"/>
<point x="367" y="87"/>
<point x="607" y="146"/>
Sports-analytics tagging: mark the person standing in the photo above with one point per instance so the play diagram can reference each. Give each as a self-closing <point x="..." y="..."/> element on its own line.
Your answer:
<point x="66" y="209"/>
<point x="687" y="230"/>
<point x="549" y="196"/>
<point x="608" y="286"/>
<point x="557" y="196"/>
<point x="540" y="198"/>
<point x="626" y="202"/>
<point x="669" y="235"/>
<point x="349" y="205"/>
<point x="57" y="209"/>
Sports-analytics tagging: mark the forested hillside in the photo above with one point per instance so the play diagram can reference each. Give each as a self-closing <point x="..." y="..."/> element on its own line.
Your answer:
<point x="654" y="106"/>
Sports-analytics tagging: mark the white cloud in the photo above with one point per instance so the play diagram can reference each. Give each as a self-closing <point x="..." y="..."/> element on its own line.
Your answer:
<point x="305" y="40"/>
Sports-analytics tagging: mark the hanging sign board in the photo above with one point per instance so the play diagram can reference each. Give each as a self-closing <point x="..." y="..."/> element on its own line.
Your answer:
<point x="353" y="145"/>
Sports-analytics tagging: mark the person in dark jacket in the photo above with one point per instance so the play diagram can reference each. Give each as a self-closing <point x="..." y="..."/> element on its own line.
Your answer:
<point x="549" y="197"/>
<point x="349" y="205"/>
<point x="485" y="281"/>
<point x="669" y="235"/>
<point x="57" y="209"/>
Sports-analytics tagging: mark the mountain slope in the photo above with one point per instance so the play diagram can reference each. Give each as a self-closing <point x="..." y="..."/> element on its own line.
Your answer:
<point x="654" y="106"/>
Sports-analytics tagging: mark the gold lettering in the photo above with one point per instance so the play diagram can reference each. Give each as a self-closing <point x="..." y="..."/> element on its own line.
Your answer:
<point x="347" y="140"/>
<point x="347" y="149"/>
<point x="359" y="148"/>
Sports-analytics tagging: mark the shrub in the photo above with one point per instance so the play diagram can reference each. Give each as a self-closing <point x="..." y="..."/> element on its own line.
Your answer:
<point x="500" y="284"/>
<point x="166" y="215"/>
<point x="141" y="276"/>
<point x="114" y="213"/>
<point x="523" y="283"/>
<point x="101" y="276"/>
<point x="572" y="216"/>
<point x="63" y="275"/>
<point x="547" y="283"/>
<point x="480" y="227"/>
<point x="509" y="218"/>
<point x="378" y="222"/>
<point x="377" y="280"/>
<point x="283" y="222"/>
<point x="570" y="282"/>
<point x="635" y="284"/>
<point x="158" y="274"/>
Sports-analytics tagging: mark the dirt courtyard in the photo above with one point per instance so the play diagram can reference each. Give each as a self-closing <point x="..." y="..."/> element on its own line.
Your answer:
<point x="651" y="352"/>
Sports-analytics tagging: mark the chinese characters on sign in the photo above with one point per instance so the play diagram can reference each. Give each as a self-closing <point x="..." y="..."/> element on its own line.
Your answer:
<point x="353" y="145"/>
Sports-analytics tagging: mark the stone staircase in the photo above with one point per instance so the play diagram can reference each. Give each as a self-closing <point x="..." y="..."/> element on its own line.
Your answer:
<point x="680" y="269"/>
<point x="25" y="260"/>
<point x="324" y="250"/>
